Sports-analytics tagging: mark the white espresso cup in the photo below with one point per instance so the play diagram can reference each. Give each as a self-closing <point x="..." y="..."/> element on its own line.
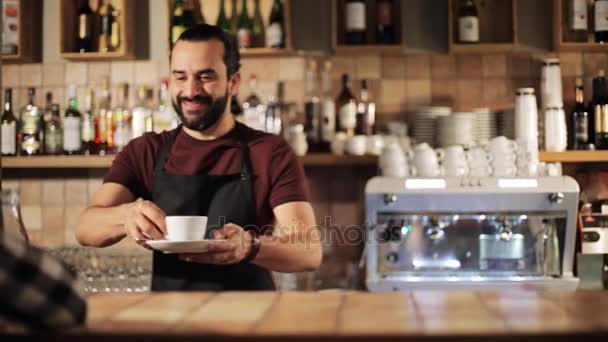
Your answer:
<point x="186" y="228"/>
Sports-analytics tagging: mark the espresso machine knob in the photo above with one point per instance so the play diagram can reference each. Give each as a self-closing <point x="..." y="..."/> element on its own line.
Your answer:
<point x="556" y="198"/>
<point x="390" y="198"/>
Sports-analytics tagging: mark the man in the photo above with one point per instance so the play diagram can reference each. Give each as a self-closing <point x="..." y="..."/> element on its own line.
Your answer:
<point x="250" y="184"/>
<point x="37" y="291"/>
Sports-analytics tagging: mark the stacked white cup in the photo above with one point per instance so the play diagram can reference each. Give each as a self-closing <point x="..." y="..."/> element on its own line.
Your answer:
<point x="526" y="120"/>
<point x="454" y="161"/>
<point x="393" y="162"/>
<point x="479" y="162"/>
<point x="504" y="155"/>
<point x="426" y="161"/>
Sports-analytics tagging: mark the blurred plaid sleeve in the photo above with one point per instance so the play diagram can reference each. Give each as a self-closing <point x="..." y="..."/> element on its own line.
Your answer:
<point x="37" y="290"/>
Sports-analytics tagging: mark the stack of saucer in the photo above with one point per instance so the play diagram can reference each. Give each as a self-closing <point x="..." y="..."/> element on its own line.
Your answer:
<point x="456" y="129"/>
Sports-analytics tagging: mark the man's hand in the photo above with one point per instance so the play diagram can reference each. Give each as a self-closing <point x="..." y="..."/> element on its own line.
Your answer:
<point x="145" y="221"/>
<point x="232" y="246"/>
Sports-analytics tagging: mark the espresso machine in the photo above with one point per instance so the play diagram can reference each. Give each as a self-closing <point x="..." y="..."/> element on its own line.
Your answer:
<point x="464" y="233"/>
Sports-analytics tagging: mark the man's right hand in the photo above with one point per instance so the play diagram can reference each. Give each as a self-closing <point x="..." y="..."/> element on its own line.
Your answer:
<point x="145" y="221"/>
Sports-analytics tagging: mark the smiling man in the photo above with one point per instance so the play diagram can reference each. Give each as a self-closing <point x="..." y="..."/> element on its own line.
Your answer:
<point x="250" y="184"/>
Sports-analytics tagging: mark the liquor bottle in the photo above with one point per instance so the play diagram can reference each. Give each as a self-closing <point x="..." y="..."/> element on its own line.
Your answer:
<point x="48" y="106"/>
<point x="312" y="107"/>
<point x="9" y="126"/>
<point x="468" y="22"/>
<point x="115" y="28"/>
<point x="105" y="26"/>
<point x="578" y="26"/>
<point x="245" y="28"/>
<point x="366" y="112"/>
<point x="141" y="114"/>
<point x="275" y="34"/>
<point x="234" y="18"/>
<point x="254" y="112"/>
<point x="222" y="20"/>
<point x="580" y="120"/>
<point x="356" y="23"/>
<point x="600" y="110"/>
<point x="197" y="12"/>
<point x="31" y="136"/>
<point x="72" y="122"/>
<point x="165" y="117"/>
<point x="84" y="40"/>
<point x="346" y="105"/>
<point x="257" y="29"/>
<point x="327" y="122"/>
<point x="178" y="24"/>
<point x="385" y="28"/>
<point x="122" y="116"/>
<point x="53" y="133"/>
<point x="601" y="21"/>
<point x="103" y="119"/>
<point x="275" y="109"/>
<point x="87" y="133"/>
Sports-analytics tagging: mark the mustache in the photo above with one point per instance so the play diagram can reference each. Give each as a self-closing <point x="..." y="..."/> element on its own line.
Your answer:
<point x="204" y="99"/>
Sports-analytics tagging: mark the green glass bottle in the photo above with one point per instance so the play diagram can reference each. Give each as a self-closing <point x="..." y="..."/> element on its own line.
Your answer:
<point x="222" y="20"/>
<point x="245" y="28"/>
<point x="178" y="22"/>
<point x="258" y="26"/>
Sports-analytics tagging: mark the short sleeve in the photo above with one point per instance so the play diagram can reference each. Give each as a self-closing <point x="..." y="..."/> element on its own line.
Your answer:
<point x="287" y="178"/>
<point x="126" y="170"/>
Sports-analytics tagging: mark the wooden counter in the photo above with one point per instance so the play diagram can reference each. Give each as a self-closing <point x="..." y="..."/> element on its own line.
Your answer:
<point x="466" y="316"/>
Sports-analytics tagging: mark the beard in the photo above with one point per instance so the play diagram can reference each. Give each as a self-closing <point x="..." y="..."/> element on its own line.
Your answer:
<point x="203" y="118"/>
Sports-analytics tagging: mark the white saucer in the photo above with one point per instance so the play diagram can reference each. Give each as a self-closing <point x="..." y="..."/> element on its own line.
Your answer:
<point x="190" y="246"/>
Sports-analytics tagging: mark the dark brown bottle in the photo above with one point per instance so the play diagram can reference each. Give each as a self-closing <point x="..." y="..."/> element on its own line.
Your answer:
<point x="9" y="126"/>
<point x="385" y="28"/>
<point x="355" y="22"/>
<point x="580" y="120"/>
<point x="600" y="111"/>
<point x="346" y="108"/>
<point x="84" y="38"/>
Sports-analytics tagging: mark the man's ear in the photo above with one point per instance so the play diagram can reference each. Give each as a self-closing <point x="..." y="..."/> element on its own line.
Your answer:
<point x="234" y="83"/>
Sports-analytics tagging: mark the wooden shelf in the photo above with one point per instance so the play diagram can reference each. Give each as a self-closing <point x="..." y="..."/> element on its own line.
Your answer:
<point x="575" y="157"/>
<point x="266" y="52"/>
<point x="393" y="49"/>
<point x="103" y="162"/>
<point x="582" y="47"/>
<point x="482" y="48"/>
<point x="94" y="56"/>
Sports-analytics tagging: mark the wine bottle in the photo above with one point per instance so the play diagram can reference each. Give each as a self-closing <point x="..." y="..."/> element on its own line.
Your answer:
<point x="9" y="126"/>
<point x="222" y="20"/>
<point x="356" y="23"/>
<point x="257" y="30"/>
<point x="234" y="18"/>
<point x="601" y="21"/>
<point x="468" y="22"/>
<point x="121" y="117"/>
<point x="178" y="24"/>
<point x="72" y="142"/>
<point x="87" y="133"/>
<point x="312" y="107"/>
<point x="346" y="105"/>
<point x="275" y="35"/>
<point x="101" y="118"/>
<point x="141" y="114"/>
<point x="327" y="121"/>
<point x="366" y="112"/>
<point x="600" y="110"/>
<point x="84" y="40"/>
<point x="580" y="120"/>
<point x="385" y="28"/>
<point x="579" y="28"/>
<point x="245" y="28"/>
<point x="53" y="133"/>
<point x="31" y="134"/>
<point x="105" y="26"/>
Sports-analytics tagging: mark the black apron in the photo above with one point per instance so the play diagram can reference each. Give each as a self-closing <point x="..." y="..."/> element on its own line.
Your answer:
<point x="223" y="199"/>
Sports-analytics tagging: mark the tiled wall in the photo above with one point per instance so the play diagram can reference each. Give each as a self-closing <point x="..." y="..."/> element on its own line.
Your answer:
<point x="52" y="201"/>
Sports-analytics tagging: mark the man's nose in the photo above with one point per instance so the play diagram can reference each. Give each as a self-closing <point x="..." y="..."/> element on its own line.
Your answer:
<point x="192" y="88"/>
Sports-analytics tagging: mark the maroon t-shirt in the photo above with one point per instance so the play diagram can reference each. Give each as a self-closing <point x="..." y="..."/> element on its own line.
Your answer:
<point x="278" y="176"/>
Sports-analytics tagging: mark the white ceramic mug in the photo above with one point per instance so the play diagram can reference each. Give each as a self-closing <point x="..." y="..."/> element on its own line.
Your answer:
<point x="186" y="228"/>
<point x="375" y="144"/>
<point x="356" y="145"/>
<point x="338" y="143"/>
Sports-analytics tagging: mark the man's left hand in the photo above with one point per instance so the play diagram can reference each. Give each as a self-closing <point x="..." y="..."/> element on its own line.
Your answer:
<point x="234" y="247"/>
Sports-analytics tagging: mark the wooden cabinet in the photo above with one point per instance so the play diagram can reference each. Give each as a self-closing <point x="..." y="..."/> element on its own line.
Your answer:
<point x="565" y="39"/>
<point x="26" y="17"/>
<point x="210" y="10"/>
<point x="506" y="26"/>
<point x="126" y="19"/>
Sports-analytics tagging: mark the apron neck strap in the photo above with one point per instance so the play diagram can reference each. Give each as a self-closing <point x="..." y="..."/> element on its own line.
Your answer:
<point x="245" y="161"/>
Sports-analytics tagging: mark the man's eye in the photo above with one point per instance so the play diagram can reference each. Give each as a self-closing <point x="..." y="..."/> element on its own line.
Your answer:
<point x="207" y="78"/>
<point x="180" y="78"/>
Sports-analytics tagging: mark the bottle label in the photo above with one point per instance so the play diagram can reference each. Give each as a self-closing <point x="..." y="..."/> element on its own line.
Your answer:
<point x="88" y="130"/>
<point x="579" y="15"/>
<point x="53" y="140"/>
<point x="83" y="26"/>
<point x="176" y="31"/>
<point x="30" y="144"/>
<point x="71" y="135"/>
<point x="102" y="126"/>
<point x="355" y="16"/>
<point x="244" y="38"/>
<point x="9" y="132"/>
<point x="601" y="16"/>
<point x="468" y="29"/>
<point x="274" y="35"/>
<point x="348" y="116"/>
<point x="328" y="121"/>
<point x="115" y="35"/>
<point x="385" y="13"/>
<point x="581" y="133"/>
<point x="30" y="123"/>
